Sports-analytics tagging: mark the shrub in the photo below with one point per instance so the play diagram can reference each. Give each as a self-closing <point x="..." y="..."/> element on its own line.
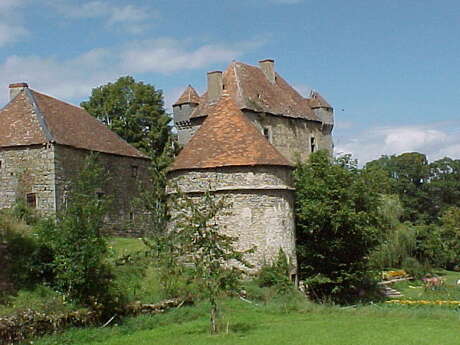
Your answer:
<point x="276" y="275"/>
<point x="78" y="246"/>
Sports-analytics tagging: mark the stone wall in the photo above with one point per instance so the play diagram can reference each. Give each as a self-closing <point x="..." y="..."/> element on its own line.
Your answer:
<point x="125" y="175"/>
<point x="28" y="169"/>
<point x="291" y="137"/>
<point x="262" y="207"/>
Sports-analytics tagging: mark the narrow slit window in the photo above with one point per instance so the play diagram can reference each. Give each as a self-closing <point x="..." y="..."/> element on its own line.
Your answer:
<point x="266" y="133"/>
<point x="312" y="144"/>
<point x="31" y="199"/>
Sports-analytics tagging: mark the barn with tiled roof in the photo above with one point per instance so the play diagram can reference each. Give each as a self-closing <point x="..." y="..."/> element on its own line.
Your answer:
<point x="43" y="143"/>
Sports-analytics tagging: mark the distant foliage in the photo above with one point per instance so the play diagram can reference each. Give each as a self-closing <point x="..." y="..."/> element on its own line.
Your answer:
<point x="338" y="225"/>
<point x="426" y="190"/>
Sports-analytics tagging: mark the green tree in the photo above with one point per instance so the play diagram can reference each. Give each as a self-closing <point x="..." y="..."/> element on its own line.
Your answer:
<point x="135" y="111"/>
<point x="77" y="242"/>
<point x="338" y="224"/>
<point x="217" y="265"/>
<point x="409" y="173"/>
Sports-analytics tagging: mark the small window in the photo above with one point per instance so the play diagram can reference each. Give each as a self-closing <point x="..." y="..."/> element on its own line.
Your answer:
<point x="100" y="195"/>
<point x="31" y="199"/>
<point x="134" y="170"/>
<point x="266" y="132"/>
<point x="312" y="144"/>
<point x="131" y="216"/>
<point x="1" y="162"/>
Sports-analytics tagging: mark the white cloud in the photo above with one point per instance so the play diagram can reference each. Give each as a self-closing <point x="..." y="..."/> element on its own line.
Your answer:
<point x="168" y="55"/>
<point x="73" y="79"/>
<point x="10" y="28"/>
<point x="68" y="79"/>
<point x="433" y="140"/>
<point x="129" y="18"/>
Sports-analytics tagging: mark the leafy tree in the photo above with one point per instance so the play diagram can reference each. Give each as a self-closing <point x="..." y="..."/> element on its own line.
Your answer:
<point x="443" y="187"/>
<point x="409" y="173"/>
<point x="76" y="240"/>
<point x="135" y="111"/>
<point x="338" y="224"/>
<point x="217" y="265"/>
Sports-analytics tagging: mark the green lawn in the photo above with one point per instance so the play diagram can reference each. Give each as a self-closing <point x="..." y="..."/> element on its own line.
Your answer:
<point x="278" y="324"/>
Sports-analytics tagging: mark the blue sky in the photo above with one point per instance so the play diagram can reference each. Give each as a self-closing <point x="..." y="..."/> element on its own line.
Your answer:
<point x="389" y="68"/>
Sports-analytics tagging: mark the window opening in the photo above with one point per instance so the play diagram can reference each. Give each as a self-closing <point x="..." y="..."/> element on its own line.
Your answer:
<point x="134" y="170"/>
<point x="31" y="199"/>
<point x="312" y="144"/>
<point x="266" y="133"/>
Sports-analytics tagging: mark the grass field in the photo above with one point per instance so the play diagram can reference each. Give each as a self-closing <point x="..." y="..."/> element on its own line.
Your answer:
<point x="278" y="323"/>
<point x="269" y="320"/>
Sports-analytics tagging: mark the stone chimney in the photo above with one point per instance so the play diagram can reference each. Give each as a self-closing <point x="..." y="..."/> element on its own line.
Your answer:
<point x="215" y="86"/>
<point x="15" y="89"/>
<point x="268" y="67"/>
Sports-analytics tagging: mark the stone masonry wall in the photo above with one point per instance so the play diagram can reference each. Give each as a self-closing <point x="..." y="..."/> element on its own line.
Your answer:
<point x="291" y="137"/>
<point x="121" y="187"/>
<point x="262" y="207"/>
<point x="28" y="169"/>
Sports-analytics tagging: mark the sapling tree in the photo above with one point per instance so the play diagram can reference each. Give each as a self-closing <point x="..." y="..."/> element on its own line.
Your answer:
<point x="78" y="245"/>
<point x="217" y="264"/>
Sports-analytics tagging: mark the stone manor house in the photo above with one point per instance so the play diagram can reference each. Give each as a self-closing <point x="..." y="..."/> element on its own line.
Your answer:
<point x="43" y="144"/>
<point x="241" y="140"/>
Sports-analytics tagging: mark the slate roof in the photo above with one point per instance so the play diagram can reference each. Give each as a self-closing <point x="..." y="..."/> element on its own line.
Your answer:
<point x="34" y="118"/>
<point x="227" y="138"/>
<point x="188" y="96"/>
<point x="251" y="90"/>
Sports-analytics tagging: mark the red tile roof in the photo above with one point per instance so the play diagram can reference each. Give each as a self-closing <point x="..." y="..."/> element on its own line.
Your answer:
<point x="317" y="101"/>
<point x="188" y="96"/>
<point x="34" y="118"/>
<point x="227" y="138"/>
<point x="251" y="90"/>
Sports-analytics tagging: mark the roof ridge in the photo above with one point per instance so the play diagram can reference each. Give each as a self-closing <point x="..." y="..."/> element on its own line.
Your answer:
<point x="40" y="117"/>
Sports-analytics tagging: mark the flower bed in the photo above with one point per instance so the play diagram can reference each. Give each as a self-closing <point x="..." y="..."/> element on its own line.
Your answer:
<point x="423" y="302"/>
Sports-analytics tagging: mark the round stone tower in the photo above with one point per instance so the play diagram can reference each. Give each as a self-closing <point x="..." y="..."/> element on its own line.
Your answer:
<point x="231" y="158"/>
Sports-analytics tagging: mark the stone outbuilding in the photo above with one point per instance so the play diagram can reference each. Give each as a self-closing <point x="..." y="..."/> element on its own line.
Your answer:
<point x="43" y="144"/>
<point x="231" y="158"/>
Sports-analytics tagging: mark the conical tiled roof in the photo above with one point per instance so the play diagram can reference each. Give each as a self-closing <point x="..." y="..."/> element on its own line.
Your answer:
<point x="34" y="118"/>
<point x="227" y="138"/>
<point x="188" y="96"/>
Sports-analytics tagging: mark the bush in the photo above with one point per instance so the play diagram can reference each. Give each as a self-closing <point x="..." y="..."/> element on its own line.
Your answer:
<point x="78" y="246"/>
<point x="276" y="275"/>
